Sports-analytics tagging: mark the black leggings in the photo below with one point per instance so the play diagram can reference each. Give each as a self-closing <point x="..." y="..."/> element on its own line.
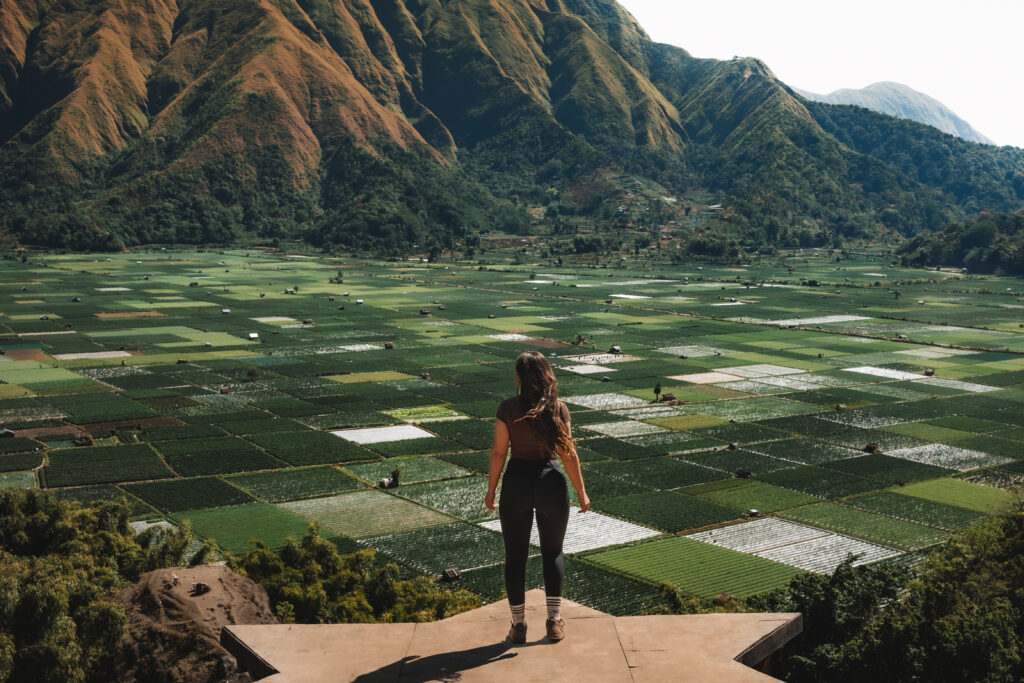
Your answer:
<point x="530" y="485"/>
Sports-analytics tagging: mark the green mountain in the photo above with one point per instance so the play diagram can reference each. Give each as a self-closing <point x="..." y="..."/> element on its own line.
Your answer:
<point x="903" y="102"/>
<point x="381" y="124"/>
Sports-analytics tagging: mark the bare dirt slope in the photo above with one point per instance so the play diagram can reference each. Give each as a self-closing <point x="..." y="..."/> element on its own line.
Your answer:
<point x="173" y="633"/>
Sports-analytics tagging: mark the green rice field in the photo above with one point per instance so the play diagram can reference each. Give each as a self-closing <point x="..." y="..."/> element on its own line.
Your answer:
<point x="853" y="403"/>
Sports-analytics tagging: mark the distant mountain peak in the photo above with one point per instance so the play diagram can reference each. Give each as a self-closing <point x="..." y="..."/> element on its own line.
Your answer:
<point x="902" y="101"/>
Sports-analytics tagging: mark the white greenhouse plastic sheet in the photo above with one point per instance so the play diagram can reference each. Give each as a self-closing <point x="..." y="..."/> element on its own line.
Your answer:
<point x="820" y="320"/>
<point x="798" y="545"/>
<point x="92" y="354"/>
<point x="695" y="351"/>
<point x="624" y="428"/>
<point x="383" y="434"/>
<point x="969" y="387"/>
<point x="706" y="378"/>
<point x="949" y="457"/>
<point x="761" y="370"/>
<point x="887" y="373"/>
<point x="823" y="555"/>
<point x="759" y="535"/>
<point x="605" y="401"/>
<point x="590" y="531"/>
<point x="586" y="369"/>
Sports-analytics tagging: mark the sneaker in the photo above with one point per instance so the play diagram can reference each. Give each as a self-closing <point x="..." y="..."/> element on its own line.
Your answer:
<point x="556" y="629"/>
<point x="517" y="633"/>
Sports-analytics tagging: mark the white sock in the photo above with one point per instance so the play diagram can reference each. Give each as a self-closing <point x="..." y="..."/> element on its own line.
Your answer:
<point x="518" y="613"/>
<point x="554" y="607"/>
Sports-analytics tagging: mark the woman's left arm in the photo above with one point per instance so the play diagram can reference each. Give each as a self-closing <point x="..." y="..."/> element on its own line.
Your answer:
<point x="498" y="452"/>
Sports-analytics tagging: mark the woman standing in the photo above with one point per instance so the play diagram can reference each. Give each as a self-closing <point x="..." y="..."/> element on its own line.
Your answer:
<point x="536" y="424"/>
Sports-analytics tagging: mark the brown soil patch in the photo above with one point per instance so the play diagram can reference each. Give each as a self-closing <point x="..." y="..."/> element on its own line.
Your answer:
<point x="131" y="314"/>
<point x="46" y="431"/>
<point x="545" y="343"/>
<point x="26" y="354"/>
<point x="174" y="633"/>
<point x="140" y="422"/>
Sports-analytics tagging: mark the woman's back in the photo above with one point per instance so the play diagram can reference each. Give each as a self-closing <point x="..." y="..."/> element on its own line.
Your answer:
<point x="525" y="441"/>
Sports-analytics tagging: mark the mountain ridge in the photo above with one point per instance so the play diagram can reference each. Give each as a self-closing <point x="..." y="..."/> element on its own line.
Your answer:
<point x="902" y="101"/>
<point x="378" y="124"/>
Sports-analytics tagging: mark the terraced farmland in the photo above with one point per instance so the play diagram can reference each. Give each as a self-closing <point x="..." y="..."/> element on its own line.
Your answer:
<point x="194" y="387"/>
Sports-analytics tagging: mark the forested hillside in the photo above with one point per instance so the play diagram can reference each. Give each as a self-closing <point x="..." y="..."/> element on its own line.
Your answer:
<point x="377" y="125"/>
<point x="990" y="243"/>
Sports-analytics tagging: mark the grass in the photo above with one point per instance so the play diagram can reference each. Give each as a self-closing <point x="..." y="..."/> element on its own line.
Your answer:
<point x="697" y="568"/>
<point x="747" y="494"/>
<point x="233" y="528"/>
<point x="961" y="494"/>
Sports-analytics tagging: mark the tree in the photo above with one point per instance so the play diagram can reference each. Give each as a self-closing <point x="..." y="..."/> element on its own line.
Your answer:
<point x="657" y="391"/>
<point x="310" y="582"/>
<point x="60" y="564"/>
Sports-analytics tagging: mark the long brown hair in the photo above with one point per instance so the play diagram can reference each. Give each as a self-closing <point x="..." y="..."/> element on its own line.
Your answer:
<point x="538" y="399"/>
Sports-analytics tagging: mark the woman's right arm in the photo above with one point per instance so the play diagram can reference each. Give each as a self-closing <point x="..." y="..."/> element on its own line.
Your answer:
<point x="571" y="463"/>
<point x="498" y="452"/>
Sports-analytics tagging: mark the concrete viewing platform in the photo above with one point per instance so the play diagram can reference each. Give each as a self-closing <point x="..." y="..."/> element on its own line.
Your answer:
<point x="472" y="646"/>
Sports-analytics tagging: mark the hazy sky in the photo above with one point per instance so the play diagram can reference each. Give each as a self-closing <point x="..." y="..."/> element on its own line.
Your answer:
<point x="967" y="55"/>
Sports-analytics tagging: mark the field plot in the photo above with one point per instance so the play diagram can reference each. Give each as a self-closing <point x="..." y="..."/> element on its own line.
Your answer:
<point x="103" y="464"/>
<point x="176" y="495"/>
<point x="959" y="493"/>
<point x="749" y="494"/>
<point x="890" y="531"/>
<point x="916" y="510"/>
<point x="887" y="469"/>
<point x="88" y="494"/>
<point x="807" y="451"/>
<point x="607" y="401"/>
<point x="17" y="480"/>
<point x="215" y="456"/>
<point x="589" y="531"/>
<point x="234" y="527"/>
<point x="310" y="448"/>
<point x="668" y="511"/>
<point x="462" y="498"/>
<point x="366" y="513"/>
<point x="657" y="473"/>
<point x="759" y="535"/>
<point x="698" y="568"/>
<point x="950" y="457"/>
<point x="383" y="434"/>
<point x="212" y="428"/>
<point x="282" y="485"/>
<point x="413" y="470"/>
<point x="823" y="555"/>
<point x="818" y="481"/>
<point x="435" y="549"/>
